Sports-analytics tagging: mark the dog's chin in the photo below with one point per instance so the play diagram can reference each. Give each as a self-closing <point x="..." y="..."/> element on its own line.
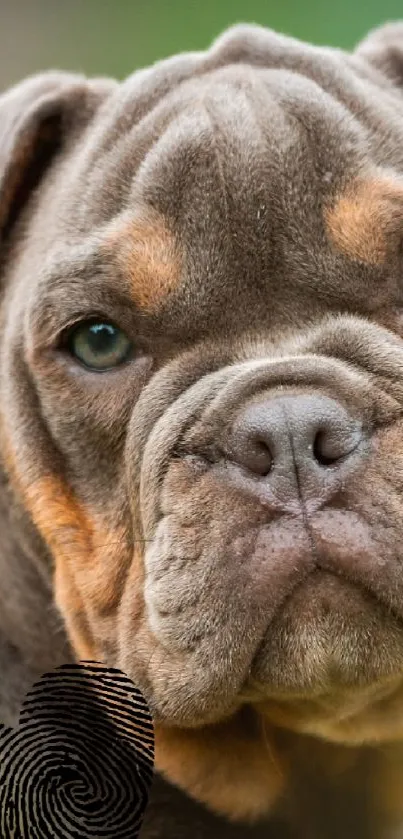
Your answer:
<point x="331" y="665"/>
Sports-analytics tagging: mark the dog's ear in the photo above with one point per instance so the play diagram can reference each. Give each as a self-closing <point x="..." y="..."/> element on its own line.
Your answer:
<point x="383" y="48"/>
<point x="37" y="118"/>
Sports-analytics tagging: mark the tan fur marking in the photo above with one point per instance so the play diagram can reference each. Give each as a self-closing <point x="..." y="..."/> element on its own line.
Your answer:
<point x="59" y="519"/>
<point x="72" y="607"/>
<point x="89" y="560"/>
<point x="236" y="775"/>
<point x="147" y="254"/>
<point x="366" y="222"/>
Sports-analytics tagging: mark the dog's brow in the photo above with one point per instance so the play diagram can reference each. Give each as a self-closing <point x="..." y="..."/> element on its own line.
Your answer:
<point x="148" y="255"/>
<point x="74" y="262"/>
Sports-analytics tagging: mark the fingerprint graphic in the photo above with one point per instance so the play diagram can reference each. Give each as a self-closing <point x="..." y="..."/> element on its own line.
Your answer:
<point x="81" y="762"/>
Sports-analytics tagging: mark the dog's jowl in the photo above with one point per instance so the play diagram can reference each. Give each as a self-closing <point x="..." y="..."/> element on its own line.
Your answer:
<point x="201" y="406"/>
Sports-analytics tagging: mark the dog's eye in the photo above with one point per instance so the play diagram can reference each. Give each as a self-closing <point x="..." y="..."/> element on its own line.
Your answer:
<point x="99" y="346"/>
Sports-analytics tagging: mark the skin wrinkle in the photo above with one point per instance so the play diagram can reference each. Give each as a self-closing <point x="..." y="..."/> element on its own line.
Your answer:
<point x="220" y="169"/>
<point x="393" y="612"/>
<point x="261" y="213"/>
<point x="231" y="233"/>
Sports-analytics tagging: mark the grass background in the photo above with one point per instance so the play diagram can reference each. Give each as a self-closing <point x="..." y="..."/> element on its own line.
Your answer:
<point x="114" y="37"/>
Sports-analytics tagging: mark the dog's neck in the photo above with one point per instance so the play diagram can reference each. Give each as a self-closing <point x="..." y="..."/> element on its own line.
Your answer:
<point x="32" y="638"/>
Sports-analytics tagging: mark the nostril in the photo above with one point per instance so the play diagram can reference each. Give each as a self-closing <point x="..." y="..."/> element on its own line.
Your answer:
<point x="253" y="452"/>
<point x="330" y="447"/>
<point x="262" y="458"/>
<point x="324" y="450"/>
<point x="272" y="438"/>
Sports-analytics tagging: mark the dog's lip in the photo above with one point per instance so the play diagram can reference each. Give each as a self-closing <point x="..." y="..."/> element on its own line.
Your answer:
<point x="331" y="556"/>
<point x="326" y="566"/>
<point x="314" y="696"/>
<point x="354" y="556"/>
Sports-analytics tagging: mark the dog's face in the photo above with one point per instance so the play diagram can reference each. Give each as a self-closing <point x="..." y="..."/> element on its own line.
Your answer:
<point x="202" y="374"/>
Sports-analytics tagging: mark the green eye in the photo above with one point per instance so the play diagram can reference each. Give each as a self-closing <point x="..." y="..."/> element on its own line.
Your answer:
<point x="99" y="346"/>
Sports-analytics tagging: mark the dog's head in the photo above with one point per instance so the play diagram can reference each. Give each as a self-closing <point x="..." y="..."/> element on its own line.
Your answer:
<point x="202" y="373"/>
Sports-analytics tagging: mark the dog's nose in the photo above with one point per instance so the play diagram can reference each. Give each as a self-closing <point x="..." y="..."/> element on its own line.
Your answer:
<point x="310" y="438"/>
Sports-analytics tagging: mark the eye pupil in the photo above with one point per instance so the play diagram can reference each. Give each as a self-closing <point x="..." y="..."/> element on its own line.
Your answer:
<point x="101" y="336"/>
<point x="98" y="345"/>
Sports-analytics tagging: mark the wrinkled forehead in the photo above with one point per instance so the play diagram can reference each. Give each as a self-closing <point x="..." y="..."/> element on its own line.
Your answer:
<point x="233" y="139"/>
<point x="216" y="205"/>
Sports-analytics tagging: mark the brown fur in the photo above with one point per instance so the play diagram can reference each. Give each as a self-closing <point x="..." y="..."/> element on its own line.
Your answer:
<point x="210" y="764"/>
<point x="237" y="214"/>
<point x="147" y="255"/>
<point x="365" y="222"/>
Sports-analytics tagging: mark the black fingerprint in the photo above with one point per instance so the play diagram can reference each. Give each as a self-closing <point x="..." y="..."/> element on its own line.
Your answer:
<point x="80" y="764"/>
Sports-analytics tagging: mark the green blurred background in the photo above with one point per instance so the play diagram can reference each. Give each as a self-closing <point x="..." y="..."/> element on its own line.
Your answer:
<point x="116" y="37"/>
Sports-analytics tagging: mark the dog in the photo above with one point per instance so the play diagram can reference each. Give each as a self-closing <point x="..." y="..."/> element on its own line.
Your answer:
<point x="202" y="419"/>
